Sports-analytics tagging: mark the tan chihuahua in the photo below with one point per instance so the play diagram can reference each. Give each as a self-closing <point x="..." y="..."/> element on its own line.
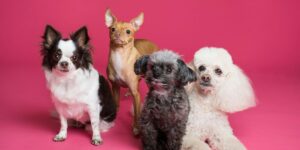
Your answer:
<point x="124" y="51"/>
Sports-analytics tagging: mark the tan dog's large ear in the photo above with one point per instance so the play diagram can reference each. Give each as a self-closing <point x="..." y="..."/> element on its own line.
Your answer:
<point x="110" y="19"/>
<point x="138" y="21"/>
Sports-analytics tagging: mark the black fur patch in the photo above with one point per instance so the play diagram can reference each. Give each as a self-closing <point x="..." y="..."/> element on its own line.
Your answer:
<point x="49" y="49"/>
<point x="109" y="108"/>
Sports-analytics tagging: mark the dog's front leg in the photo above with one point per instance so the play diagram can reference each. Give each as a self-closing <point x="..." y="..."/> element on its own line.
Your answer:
<point x="94" y="113"/>
<point x="133" y="86"/>
<point x="175" y="136"/>
<point x="62" y="135"/>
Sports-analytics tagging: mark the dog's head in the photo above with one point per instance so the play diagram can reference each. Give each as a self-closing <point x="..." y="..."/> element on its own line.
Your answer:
<point x="122" y="33"/>
<point x="65" y="55"/>
<point x="216" y="74"/>
<point x="164" y="70"/>
<point x="212" y="66"/>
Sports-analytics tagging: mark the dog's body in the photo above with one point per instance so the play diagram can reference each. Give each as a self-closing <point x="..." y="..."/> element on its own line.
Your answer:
<point x="124" y="51"/>
<point x="221" y="88"/>
<point x="166" y="108"/>
<point x="78" y="91"/>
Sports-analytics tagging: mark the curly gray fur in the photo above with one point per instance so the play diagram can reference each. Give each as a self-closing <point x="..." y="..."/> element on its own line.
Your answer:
<point x="163" y="119"/>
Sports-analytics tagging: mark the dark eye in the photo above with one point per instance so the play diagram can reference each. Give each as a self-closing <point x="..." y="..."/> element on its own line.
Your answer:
<point x="218" y="71"/>
<point x="57" y="55"/>
<point x="113" y="29"/>
<point x="201" y="68"/>
<point x="169" y="69"/>
<point x="74" y="58"/>
<point x="128" y="31"/>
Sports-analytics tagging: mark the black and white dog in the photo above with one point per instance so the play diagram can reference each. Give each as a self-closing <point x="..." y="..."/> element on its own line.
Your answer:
<point x="78" y="91"/>
<point x="163" y="119"/>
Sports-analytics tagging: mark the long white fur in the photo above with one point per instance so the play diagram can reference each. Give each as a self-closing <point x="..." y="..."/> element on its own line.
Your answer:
<point x="208" y="116"/>
<point x="75" y="93"/>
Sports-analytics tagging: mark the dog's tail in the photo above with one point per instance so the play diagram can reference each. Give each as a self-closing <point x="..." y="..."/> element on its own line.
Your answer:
<point x="109" y="107"/>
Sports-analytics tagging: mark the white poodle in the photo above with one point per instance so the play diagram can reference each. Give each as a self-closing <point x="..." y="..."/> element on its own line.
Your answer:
<point x="221" y="88"/>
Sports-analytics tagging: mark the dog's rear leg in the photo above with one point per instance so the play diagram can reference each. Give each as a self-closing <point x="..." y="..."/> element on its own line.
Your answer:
<point x="133" y="86"/>
<point x="116" y="93"/>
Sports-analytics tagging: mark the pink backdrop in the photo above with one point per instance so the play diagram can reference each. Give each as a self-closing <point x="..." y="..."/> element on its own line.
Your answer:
<point x="262" y="36"/>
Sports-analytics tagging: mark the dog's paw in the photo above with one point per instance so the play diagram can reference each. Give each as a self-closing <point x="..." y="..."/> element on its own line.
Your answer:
<point x="59" y="138"/>
<point x="96" y="142"/>
<point x="135" y="131"/>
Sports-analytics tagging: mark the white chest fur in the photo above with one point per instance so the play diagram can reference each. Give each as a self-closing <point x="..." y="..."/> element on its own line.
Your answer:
<point x="75" y="93"/>
<point x="204" y="117"/>
<point x="118" y="63"/>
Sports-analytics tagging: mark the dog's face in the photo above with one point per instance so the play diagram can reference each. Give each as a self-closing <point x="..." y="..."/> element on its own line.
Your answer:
<point x="212" y="69"/>
<point x="65" y="55"/>
<point x="122" y="33"/>
<point x="164" y="70"/>
<point x="210" y="76"/>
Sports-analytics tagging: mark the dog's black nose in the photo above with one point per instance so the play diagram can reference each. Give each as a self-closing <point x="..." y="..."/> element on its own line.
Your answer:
<point x="205" y="78"/>
<point x="156" y="71"/>
<point x="64" y="64"/>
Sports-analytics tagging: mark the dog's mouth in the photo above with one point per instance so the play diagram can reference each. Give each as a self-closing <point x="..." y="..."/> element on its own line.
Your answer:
<point x="205" y="84"/>
<point x="206" y="88"/>
<point x="119" y="41"/>
<point x="64" y="70"/>
<point x="157" y="84"/>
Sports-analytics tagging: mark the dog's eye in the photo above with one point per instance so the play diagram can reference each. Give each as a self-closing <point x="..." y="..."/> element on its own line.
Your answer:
<point x="218" y="71"/>
<point x="128" y="31"/>
<point x="169" y="69"/>
<point x="201" y="68"/>
<point x="57" y="55"/>
<point x="113" y="29"/>
<point x="74" y="58"/>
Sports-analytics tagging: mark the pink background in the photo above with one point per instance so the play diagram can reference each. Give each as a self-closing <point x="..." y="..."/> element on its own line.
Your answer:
<point x="263" y="37"/>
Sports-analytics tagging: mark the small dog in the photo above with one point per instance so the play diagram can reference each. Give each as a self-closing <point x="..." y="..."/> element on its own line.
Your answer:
<point x="221" y="88"/>
<point x="166" y="108"/>
<point x="124" y="51"/>
<point x="78" y="91"/>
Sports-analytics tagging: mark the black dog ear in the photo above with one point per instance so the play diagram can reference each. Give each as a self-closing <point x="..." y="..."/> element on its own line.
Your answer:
<point x="50" y="37"/>
<point x="184" y="74"/>
<point x="140" y="66"/>
<point x="81" y="37"/>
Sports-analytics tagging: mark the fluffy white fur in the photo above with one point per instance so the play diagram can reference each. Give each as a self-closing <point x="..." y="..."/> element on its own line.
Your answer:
<point x="208" y="126"/>
<point x="75" y="94"/>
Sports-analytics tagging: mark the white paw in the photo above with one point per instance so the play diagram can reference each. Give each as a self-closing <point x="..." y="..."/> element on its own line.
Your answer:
<point x="59" y="138"/>
<point x="96" y="140"/>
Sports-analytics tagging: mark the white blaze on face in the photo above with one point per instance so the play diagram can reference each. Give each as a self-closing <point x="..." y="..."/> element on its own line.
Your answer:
<point x="67" y="48"/>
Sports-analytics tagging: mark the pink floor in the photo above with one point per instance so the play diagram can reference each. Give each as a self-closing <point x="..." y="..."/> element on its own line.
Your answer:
<point x="26" y="123"/>
<point x="262" y="36"/>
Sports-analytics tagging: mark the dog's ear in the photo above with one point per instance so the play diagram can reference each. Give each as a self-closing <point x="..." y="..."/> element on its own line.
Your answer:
<point x="140" y="66"/>
<point x="236" y="93"/>
<point x="81" y="37"/>
<point x="184" y="74"/>
<point x="50" y="37"/>
<point x="138" y="21"/>
<point x="110" y="19"/>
